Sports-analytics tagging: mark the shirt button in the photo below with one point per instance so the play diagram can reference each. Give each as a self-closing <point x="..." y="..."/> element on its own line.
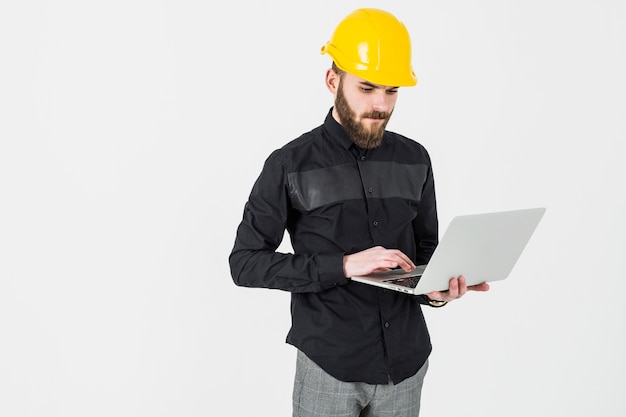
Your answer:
<point x="370" y="190"/>
<point x="375" y="223"/>
<point x="386" y="325"/>
<point x="362" y="157"/>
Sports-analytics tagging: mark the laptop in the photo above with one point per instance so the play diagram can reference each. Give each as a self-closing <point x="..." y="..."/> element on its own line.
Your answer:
<point x="481" y="247"/>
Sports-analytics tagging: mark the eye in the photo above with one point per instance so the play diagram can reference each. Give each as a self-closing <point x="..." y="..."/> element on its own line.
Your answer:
<point x="392" y="91"/>
<point x="366" y="89"/>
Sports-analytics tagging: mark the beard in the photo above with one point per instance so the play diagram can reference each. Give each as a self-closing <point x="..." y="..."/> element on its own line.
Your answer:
<point x="362" y="136"/>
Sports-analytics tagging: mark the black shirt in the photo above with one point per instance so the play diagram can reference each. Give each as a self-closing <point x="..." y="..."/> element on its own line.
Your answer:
<point x="336" y="199"/>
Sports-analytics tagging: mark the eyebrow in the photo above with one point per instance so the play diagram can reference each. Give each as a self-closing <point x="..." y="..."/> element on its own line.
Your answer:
<point x="369" y="84"/>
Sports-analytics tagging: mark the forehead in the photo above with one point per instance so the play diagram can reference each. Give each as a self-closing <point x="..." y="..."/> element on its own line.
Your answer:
<point x="353" y="79"/>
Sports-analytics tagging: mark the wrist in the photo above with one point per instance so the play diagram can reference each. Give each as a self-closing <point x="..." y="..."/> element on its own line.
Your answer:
<point x="435" y="303"/>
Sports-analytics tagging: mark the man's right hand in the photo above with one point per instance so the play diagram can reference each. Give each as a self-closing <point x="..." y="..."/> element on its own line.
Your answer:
<point x="376" y="259"/>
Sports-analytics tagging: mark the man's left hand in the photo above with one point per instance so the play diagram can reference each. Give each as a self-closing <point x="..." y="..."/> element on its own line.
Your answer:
<point x="458" y="288"/>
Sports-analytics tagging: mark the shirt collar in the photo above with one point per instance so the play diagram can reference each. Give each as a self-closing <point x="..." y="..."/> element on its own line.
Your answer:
<point x="336" y="131"/>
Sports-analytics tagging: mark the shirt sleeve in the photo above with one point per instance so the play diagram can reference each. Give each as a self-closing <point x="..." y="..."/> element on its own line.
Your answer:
<point x="254" y="261"/>
<point x="426" y="225"/>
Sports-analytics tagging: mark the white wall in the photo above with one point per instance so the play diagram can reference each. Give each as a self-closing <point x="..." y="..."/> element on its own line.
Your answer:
<point x="131" y="133"/>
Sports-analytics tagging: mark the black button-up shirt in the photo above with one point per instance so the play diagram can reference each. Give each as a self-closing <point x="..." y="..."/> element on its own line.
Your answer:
<point x="336" y="199"/>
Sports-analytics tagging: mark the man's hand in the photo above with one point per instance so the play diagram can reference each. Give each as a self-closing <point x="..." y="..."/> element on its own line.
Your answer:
<point x="376" y="259"/>
<point x="458" y="288"/>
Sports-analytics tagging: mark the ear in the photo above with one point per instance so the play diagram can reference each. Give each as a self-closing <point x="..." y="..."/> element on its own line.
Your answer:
<point x="332" y="81"/>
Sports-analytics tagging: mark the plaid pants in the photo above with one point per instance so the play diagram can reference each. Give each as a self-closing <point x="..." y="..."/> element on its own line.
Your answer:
<point x="317" y="394"/>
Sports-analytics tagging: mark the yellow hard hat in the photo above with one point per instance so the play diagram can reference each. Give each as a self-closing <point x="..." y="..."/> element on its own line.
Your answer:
<point x="374" y="45"/>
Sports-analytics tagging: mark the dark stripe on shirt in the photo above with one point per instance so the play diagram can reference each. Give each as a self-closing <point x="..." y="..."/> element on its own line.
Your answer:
<point x="376" y="179"/>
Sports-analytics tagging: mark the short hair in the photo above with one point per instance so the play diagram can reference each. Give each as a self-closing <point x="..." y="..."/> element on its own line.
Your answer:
<point x="337" y="70"/>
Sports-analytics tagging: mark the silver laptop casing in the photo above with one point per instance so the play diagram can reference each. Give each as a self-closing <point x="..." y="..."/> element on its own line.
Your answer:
<point x="482" y="247"/>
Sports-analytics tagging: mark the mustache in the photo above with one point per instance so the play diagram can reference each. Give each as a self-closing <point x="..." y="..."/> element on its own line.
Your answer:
<point x="376" y="115"/>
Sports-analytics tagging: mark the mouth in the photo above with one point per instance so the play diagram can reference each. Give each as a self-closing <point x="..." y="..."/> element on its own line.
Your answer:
<point x="375" y="119"/>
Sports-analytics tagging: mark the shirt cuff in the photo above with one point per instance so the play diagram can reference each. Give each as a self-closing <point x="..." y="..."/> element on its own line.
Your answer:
<point x="330" y="269"/>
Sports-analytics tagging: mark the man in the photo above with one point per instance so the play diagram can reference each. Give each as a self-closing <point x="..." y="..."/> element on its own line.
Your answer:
<point x="355" y="199"/>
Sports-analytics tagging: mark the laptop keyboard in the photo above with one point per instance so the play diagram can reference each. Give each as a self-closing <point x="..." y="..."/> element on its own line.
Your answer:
<point x="409" y="282"/>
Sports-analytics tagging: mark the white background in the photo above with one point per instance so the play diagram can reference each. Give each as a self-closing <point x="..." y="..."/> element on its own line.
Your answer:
<point x="132" y="131"/>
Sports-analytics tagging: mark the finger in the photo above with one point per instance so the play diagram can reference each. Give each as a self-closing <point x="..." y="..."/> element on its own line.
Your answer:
<point x="389" y="264"/>
<point x="401" y="260"/>
<point x="454" y="288"/>
<point x="479" y="287"/>
<point x="462" y="286"/>
<point x="406" y="266"/>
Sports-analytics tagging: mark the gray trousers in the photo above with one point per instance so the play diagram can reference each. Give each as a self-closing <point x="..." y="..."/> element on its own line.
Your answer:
<point x="317" y="394"/>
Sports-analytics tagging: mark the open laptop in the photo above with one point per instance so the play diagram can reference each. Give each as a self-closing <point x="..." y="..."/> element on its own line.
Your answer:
<point x="481" y="247"/>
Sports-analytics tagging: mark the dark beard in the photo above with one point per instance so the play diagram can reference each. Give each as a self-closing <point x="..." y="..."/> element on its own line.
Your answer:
<point x="360" y="135"/>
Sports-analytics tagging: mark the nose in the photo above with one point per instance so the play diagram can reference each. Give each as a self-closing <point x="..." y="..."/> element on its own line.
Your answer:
<point x="382" y="101"/>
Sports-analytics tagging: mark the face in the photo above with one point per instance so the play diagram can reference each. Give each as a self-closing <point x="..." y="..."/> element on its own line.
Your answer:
<point x="363" y="109"/>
